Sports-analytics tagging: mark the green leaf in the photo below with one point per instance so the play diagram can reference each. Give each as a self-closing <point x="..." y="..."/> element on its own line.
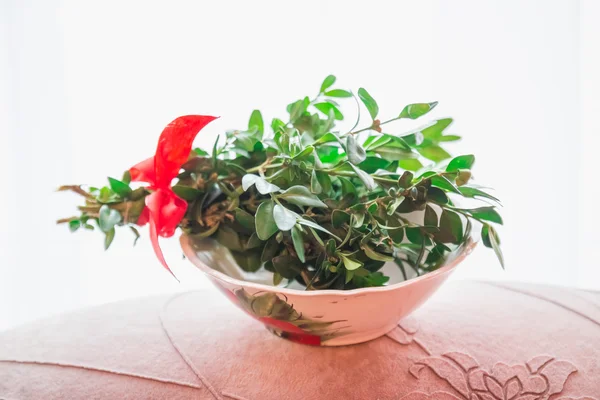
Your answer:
<point x="356" y="154"/>
<point x="472" y="192"/>
<point x="186" y="192"/>
<point x="296" y="110"/>
<point x="326" y="138"/>
<point x="347" y="186"/>
<point x="108" y="239"/>
<point x="435" y="130"/>
<point x="372" y="164"/>
<point x="364" y="177"/>
<point x="298" y="243"/>
<point x="284" y="218"/>
<point x="461" y="162"/>
<point x="262" y="185"/>
<point x="434" y="153"/>
<point x="326" y="107"/>
<point x="488" y="213"/>
<point x="315" y="186"/>
<point x="229" y="238"/>
<point x="120" y="188"/>
<point x="311" y="224"/>
<point x="414" y="111"/>
<point x="126" y="179"/>
<point x="270" y="250"/>
<point x="338" y="93"/>
<point x="339" y="218"/>
<point x="327" y="83"/>
<point x="406" y="179"/>
<point x="277" y="278"/>
<point x="491" y="239"/>
<point x="393" y="153"/>
<point x="369" y="102"/>
<point x="256" y="122"/>
<point x="215" y="151"/>
<point x="301" y="195"/>
<point x="391" y="207"/>
<point x="249" y="261"/>
<point x="451" y="229"/>
<point x="437" y="195"/>
<point x="264" y="220"/>
<point x="443" y="183"/>
<point x="410" y="164"/>
<point x="373" y="279"/>
<point x="245" y="219"/>
<point x="373" y="255"/>
<point x="108" y="218"/>
<point x="349" y="276"/>
<point x="287" y="266"/>
<point x="431" y="218"/>
<point x="200" y="152"/>
<point x="74" y="225"/>
<point x="349" y="262"/>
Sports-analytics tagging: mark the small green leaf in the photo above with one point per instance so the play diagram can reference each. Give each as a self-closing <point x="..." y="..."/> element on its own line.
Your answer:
<point x="327" y="83"/>
<point x="394" y="204"/>
<point x="264" y="220"/>
<point x="349" y="275"/>
<point x="451" y="229"/>
<point x="249" y="261"/>
<point x="301" y="195"/>
<point x="200" y="152"/>
<point x="393" y="153"/>
<point x="369" y="102"/>
<point x="410" y="164"/>
<point x="372" y="164"/>
<point x="74" y="225"/>
<point x="287" y="266"/>
<point x="303" y="155"/>
<point x="108" y="218"/>
<point x="461" y="162"/>
<point x="315" y="185"/>
<point x="434" y="153"/>
<point x="120" y="188"/>
<point x="326" y="107"/>
<point x="126" y="179"/>
<point x="349" y="262"/>
<point x="437" y="195"/>
<point x="347" y="186"/>
<point x="491" y="239"/>
<point x="364" y="177"/>
<point x="487" y="213"/>
<point x="338" y="93"/>
<point x="277" y="278"/>
<point x="284" y="218"/>
<point x="298" y="243"/>
<point x="229" y="238"/>
<point x="339" y="218"/>
<point x="327" y="138"/>
<point x="435" y="130"/>
<point x="256" y="122"/>
<point x="414" y="111"/>
<point x="431" y="218"/>
<point x="443" y="183"/>
<point x="186" y="192"/>
<point x="311" y="224"/>
<point x="356" y="154"/>
<point x="373" y="255"/>
<point x="245" y="219"/>
<point x="108" y="239"/>
<point x="262" y="185"/>
<point x="406" y="179"/>
<point x="270" y="250"/>
<point x="475" y="192"/>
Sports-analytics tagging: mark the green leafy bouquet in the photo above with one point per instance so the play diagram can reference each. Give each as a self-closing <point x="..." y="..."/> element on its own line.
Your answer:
<point x="306" y="201"/>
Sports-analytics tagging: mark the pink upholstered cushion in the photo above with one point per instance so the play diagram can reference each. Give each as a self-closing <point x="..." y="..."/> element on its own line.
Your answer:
<point x="470" y="341"/>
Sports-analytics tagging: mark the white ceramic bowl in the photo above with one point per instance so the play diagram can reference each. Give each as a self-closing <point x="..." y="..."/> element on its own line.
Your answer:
<point x="319" y="317"/>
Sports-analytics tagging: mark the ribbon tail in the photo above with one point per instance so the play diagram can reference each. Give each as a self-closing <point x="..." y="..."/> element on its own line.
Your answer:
<point x="156" y="247"/>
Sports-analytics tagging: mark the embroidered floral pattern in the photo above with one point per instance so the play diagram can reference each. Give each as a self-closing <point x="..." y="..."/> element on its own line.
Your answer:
<point x="538" y="379"/>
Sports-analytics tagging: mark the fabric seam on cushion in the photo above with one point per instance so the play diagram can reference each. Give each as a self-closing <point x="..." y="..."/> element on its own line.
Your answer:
<point x="543" y="298"/>
<point x="185" y="358"/>
<point x="100" y="370"/>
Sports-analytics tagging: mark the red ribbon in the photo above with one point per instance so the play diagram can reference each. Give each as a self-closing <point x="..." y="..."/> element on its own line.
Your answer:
<point x="164" y="209"/>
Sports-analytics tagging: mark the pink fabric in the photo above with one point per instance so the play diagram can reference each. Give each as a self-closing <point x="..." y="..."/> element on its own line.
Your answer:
<point x="472" y="340"/>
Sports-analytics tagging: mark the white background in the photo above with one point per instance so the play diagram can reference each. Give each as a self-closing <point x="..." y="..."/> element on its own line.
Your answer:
<point x="86" y="88"/>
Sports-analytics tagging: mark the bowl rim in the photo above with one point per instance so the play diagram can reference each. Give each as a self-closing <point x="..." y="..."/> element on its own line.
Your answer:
<point x="464" y="250"/>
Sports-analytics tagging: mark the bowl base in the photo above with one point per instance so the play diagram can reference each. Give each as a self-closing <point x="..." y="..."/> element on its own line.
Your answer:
<point x="340" y="340"/>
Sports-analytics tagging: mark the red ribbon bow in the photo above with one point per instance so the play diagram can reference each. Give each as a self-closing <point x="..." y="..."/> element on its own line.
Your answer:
<point x="164" y="209"/>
